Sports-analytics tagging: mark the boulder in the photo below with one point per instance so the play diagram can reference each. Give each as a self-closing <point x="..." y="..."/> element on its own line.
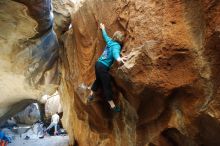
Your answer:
<point x="169" y="87"/>
<point x="29" y="115"/>
<point x="53" y="105"/>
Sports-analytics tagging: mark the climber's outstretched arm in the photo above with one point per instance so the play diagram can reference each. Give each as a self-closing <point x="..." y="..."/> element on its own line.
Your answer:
<point x="104" y="33"/>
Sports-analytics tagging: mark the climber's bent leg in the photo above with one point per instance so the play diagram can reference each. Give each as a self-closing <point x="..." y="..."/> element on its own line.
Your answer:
<point x="95" y="85"/>
<point x="105" y="79"/>
<point x="97" y="82"/>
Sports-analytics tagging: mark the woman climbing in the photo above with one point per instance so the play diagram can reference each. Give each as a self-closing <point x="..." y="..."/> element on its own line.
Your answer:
<point x="102" y="66"/>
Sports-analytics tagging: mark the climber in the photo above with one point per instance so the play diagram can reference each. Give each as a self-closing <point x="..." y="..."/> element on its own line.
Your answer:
<point x="102" y="66"/>
<point x="54" y="122"/>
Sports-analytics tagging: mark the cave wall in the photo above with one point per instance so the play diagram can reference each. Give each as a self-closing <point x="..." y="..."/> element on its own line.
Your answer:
<point x="169" y="87"/>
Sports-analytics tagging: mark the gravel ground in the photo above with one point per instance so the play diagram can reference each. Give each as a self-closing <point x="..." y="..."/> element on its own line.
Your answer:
<point x="46" y="141"/>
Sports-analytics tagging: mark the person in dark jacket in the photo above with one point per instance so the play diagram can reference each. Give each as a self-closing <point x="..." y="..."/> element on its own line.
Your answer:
<point x="111" y="53"/>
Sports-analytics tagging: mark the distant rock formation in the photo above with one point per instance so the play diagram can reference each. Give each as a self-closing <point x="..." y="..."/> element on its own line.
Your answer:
<point x="29" y="52"/>
<point x="53" y="105"/>
<point x="29" y="115"/>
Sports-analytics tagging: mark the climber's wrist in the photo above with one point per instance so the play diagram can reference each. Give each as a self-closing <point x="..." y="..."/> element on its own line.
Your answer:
<point x="120" y="60"/>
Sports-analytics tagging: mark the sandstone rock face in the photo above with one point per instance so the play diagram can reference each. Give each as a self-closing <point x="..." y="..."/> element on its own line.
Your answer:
<point x="28" y="54"/>
<point x="169" y="87"/>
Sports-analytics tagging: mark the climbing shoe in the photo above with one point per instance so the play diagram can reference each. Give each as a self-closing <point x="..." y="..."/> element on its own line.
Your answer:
<point x="90" y="98"/>
<point x="116" y="109"/>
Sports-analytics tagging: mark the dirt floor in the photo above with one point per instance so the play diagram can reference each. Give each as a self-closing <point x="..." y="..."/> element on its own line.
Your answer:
<point x="46" y="141"/>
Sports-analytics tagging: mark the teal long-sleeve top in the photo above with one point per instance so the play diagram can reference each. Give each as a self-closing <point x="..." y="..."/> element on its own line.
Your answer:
<point x="111" y="52"/>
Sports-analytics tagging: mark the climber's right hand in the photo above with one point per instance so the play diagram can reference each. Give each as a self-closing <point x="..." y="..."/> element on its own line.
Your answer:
<point x="122" y="60"/>
<point x="125" y="58"/>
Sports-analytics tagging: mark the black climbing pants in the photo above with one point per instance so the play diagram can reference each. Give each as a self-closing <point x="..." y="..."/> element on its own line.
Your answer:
<point x="103" y="80"/>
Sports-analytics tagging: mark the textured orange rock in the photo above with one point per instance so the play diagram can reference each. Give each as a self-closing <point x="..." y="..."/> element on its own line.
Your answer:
<point x="169" y="87"/>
